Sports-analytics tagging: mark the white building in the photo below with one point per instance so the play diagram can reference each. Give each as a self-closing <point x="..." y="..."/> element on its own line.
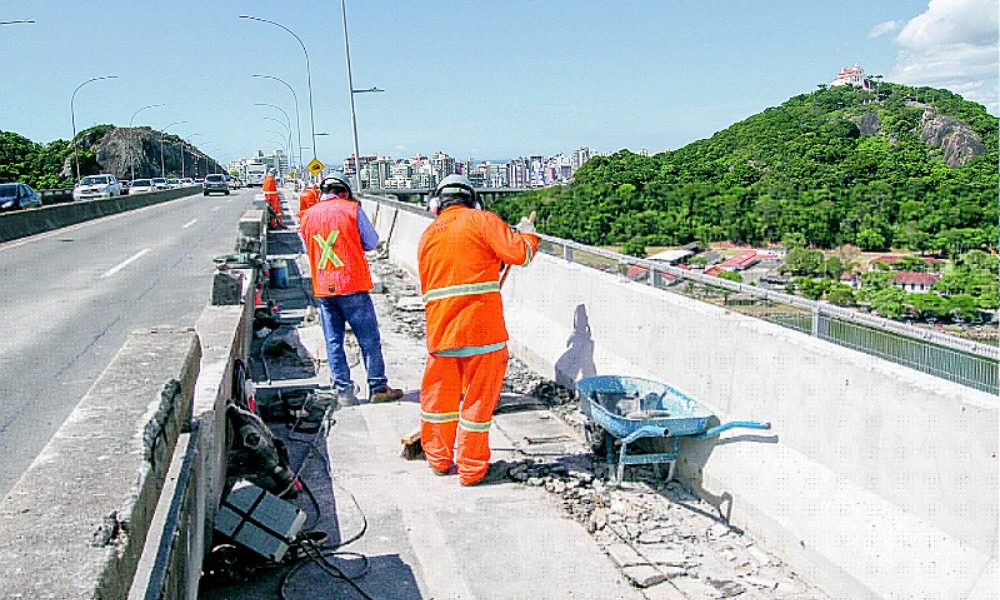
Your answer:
<point x="852" y="76"/>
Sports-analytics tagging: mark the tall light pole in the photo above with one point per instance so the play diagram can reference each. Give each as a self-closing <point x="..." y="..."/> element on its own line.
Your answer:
<point x="194" y="161"/>
<point x="295" y="97"/>
<point x="352" y="91"/>
<point x="162" y="131"/>
<point x="281" y="136"/>
<point x="132" y="132"/>
<point x="287" y="124"/>
<point x="72" y="113"/>
<point x="312" y="117"/>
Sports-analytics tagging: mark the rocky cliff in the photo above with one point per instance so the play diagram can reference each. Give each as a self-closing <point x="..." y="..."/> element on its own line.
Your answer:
<point x="131" y="153"/>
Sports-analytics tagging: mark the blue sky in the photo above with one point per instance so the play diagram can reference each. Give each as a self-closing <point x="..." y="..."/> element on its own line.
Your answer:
<point x="474" y="79"/>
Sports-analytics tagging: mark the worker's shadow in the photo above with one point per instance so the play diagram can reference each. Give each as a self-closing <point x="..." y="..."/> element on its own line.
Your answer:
<point x="578" y="359"/>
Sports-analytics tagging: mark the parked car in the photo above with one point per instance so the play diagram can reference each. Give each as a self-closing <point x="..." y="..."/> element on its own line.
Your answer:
<point x="97" y="186"/>
<point x="160" y="183"/>
<point x="215" y="183"/>
<point x="15" y="196"/>
<point x="173" y="183"/>
<point x="142" y="186"/>
<point x="126" y="185"/>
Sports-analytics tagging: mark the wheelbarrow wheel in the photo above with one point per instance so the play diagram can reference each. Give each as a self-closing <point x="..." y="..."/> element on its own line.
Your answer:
<point x="595" y="438"/>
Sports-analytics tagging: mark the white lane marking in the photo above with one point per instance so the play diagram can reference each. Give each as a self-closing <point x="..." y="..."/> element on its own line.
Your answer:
<point x="125" y="263"/>
<point x="215" y="208"/>
<point x="189" y="223"/>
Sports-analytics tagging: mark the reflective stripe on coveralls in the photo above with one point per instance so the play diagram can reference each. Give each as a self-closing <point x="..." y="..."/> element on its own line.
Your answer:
<point x="457" y="399"/>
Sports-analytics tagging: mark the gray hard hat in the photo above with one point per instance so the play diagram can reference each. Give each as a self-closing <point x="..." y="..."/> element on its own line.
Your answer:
<point x="455" y="184"/>
<point x="334" y="181"/>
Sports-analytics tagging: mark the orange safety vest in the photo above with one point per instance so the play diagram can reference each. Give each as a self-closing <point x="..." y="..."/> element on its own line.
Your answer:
<point x="307" y="199"/>
<point x="269" y="185"/>
<point x="460" y="256"/>
<point x="336" y="258"/>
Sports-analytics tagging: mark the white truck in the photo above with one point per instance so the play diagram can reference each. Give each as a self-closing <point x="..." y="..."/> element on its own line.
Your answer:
<point x="253" y="174"/>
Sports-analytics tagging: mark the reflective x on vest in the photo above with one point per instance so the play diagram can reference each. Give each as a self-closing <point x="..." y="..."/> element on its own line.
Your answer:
<point x="328" y="254"/>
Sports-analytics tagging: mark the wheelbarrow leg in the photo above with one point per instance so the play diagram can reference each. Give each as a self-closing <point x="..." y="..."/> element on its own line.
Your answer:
<point x="620" y="472"/>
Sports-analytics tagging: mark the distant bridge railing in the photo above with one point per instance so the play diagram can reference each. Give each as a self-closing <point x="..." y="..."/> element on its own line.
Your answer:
<point x="425" y="192"/>
<point x="970" y="363"/>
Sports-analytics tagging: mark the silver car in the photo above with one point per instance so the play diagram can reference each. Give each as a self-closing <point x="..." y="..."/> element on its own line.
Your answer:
<point x="97" y="186"/>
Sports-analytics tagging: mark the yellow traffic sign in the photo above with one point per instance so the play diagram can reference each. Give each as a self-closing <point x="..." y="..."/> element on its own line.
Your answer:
<point x="315" y="167"/>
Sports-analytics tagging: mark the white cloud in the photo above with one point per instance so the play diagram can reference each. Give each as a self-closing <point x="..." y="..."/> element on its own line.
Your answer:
<point x="953" y="45"/>
<point x="884" y="28"/>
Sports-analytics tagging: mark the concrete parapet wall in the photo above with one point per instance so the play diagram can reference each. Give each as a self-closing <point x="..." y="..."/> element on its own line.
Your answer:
<point x="875" y="481"/>
<point x="86" y="502"/>
<point x="23" y="223"/>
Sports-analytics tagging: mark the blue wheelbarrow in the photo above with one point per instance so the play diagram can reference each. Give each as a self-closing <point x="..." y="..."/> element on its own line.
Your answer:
<point x="627" y="409"/>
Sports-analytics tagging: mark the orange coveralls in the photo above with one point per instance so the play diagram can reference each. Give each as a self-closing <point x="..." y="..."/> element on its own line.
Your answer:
<point x="460" y="257"/>
<point x="270" y="189"/>
<point x="307" y="199"/>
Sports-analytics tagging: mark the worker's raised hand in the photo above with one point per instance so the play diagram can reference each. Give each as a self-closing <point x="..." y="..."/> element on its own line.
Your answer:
<point x="525" y="226"/>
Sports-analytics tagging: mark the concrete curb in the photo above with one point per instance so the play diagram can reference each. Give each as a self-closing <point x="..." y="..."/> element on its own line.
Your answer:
<point x="37" y="220"/>
<point x="87" y="501"/>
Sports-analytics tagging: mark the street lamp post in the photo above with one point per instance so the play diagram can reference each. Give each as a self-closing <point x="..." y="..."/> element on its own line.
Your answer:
<point x="72" y="114"/>
<point x="182" y="154"/>
<point x="312" y="116"/>
<point x="298" y="124"/>
<point x="287" y="124"/>
<point x="351" y="92"/>
<point x="162" y="131"/>
<point x="288" y="144"/>
<point x="132" y="132"/>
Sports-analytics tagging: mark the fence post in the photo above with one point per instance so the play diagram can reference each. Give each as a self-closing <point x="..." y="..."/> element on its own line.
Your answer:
<point x="567" y="253"/>
<point x="815" y="321"/>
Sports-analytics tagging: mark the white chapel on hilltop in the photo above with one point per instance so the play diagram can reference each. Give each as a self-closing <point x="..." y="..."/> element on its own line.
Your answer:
<point x="852" y="76"/>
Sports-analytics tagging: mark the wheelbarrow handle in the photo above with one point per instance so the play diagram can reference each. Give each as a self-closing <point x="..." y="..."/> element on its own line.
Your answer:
<point x="644" y="432"/>
<point x="714" y="431"/>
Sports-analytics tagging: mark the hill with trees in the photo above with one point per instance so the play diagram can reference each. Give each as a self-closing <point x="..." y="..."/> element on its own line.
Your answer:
<point x="102" y="149"/>
<point x="900" y="167"/>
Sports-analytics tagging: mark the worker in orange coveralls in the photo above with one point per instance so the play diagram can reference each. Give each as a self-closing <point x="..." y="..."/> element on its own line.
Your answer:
<point x="460" y="256"/>
<point x="308" y="198"/>
<point x="270" y="188"/>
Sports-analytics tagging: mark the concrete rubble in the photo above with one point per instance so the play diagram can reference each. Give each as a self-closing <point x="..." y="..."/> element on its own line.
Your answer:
<point x="661" y="536"/>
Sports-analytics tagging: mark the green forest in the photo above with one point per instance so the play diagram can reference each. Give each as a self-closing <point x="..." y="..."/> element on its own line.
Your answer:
<point x="803" y="171"/>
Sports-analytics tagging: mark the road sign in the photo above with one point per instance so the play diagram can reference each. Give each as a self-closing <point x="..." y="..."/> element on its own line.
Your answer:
<point x="315" y="167"/>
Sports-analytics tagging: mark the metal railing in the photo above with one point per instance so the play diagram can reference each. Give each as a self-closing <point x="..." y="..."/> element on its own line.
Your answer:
<point x="963" y="361"/>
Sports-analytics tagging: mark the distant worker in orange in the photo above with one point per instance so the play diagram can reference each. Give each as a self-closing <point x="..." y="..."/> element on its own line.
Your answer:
<point x="270" y="188"/>
<point x="460" y="257"/>
<point x="308" y="198"/>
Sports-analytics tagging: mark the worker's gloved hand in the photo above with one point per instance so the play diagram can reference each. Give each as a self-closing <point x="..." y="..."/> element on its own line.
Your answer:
<point x="525" y="226"/>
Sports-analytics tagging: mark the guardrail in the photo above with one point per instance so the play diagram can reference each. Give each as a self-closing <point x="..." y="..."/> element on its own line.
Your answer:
<point x="967" y="362"/>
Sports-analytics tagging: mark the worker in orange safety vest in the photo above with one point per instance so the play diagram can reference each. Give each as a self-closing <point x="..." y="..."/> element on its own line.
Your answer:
<point x="308" y="198"/>
<point x="460" y="256"/>
<point x="270" y="189"/>
<point x="337" y="233"/>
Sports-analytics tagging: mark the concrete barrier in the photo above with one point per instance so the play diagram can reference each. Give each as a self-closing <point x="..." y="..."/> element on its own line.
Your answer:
<point x="32" y="221"/>
<point x="87" y="501"/>
<point x="875" y="481"/>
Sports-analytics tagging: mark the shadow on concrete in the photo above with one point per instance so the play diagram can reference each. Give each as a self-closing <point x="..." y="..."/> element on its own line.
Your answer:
<point x="578" y="359"/>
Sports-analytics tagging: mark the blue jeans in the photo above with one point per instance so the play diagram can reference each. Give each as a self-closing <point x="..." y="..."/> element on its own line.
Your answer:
<point x="358" y="310"/>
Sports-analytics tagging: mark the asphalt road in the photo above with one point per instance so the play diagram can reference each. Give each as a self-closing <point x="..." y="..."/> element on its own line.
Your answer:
<point x="71" y="296"/>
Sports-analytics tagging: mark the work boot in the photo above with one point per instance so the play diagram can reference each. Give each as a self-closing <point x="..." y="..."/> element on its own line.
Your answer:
<point x="452" y="470"/>
<point x="345" y="399"/>
<point x="497" y="473"/>
<point x="386" y="394"/>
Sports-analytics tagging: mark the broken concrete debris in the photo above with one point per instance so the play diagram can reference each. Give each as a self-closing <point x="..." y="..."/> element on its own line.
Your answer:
<point x="664" y="539"/>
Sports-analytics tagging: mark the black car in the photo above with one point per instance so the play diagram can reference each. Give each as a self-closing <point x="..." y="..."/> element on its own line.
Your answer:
<point x="15" y="196"/>
<point x="215" y="183"/>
